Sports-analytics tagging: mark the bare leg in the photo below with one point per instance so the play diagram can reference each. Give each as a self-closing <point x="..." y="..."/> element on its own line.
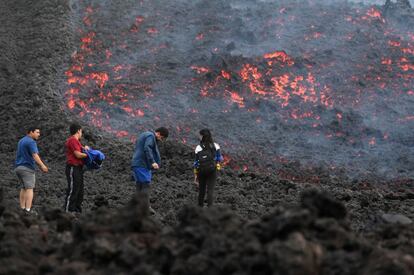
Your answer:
<point x="28" y="198"/>
<point x="22" y="198"/>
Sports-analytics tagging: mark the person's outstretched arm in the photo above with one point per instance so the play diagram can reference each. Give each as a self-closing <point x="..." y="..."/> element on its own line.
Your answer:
<point x="80" y="155"/>
<point x="39" y="162"/>
<point x="148" y="145"/>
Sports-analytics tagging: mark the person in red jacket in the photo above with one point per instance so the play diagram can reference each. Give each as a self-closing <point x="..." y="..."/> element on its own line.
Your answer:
<point x="74" y="169"/>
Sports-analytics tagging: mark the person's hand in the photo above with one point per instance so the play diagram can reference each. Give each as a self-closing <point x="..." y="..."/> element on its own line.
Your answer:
<point x="44" y="168"/>
<point x="155" y="166"/>
<point x="87" y="147"/>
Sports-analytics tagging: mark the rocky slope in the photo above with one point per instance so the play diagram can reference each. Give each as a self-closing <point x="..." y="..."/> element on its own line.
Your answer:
<point x="262" y="224"/>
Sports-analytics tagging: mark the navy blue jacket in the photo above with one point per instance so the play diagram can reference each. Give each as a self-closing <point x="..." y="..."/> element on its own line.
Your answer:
<point x="146" y="151"/>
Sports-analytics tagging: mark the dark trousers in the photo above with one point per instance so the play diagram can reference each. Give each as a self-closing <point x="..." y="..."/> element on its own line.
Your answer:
<point x="144" y="189"/>
<point x="74" y="192"/>
<point x="206" y="183"/>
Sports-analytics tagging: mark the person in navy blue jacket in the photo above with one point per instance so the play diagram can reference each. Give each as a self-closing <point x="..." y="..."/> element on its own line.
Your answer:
<point x="147" y="158"/>
<point x="207" y="162"/>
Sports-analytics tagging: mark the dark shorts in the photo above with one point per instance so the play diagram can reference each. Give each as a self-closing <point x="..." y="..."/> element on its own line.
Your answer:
<point x="26" y="177"/>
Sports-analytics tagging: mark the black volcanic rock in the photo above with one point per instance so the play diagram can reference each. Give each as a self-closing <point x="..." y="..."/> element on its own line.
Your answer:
<point x="396" y="219"/>
<point x="322" y="204"/>
<point x="294" y="239"/>
<point x="262" y="223"/>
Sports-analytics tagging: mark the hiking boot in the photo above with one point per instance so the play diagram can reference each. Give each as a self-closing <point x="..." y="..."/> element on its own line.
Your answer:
<point x="152" y="211"/>
<point x="73" y="215"/>
<point x="32" y="212"/>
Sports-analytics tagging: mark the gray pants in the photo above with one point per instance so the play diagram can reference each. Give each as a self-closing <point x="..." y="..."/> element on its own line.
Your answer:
<point x="26" y="177"/>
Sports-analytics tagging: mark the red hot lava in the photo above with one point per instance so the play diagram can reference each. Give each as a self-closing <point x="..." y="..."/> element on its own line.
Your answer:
<point x="335" y="77"/>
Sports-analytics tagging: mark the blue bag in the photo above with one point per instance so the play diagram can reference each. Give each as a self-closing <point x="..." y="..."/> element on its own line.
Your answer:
<point x="94" y="159"/>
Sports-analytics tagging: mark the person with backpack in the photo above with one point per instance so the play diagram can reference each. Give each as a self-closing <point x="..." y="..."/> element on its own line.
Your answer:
<point x="26" y="157"/>
<point x="75" y="157"/>
<point x="146" y="158"/>
<point x="207" y="162"/>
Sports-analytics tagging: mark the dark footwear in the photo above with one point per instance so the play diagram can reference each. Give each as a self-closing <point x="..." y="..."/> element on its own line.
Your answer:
<point x="32" y="212"/>
<point x="152" y="211"/>
<point x="74" y="214"/>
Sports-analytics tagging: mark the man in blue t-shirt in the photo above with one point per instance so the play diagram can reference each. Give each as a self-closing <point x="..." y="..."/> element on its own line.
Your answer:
<point x="26" y="157"/>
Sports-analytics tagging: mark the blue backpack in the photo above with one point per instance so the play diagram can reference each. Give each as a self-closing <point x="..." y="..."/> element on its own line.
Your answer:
<point x="94" y="159"/>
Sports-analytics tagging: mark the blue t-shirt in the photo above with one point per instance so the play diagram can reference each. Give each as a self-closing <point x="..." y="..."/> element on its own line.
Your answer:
<point x="25" y="150"/>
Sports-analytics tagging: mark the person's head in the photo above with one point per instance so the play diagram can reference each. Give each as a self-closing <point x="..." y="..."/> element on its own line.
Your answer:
<point x="206" y="137"/>
<point x="75" y="130"/>
<point x="161" y="133"/>
<point x="33" y="132"/>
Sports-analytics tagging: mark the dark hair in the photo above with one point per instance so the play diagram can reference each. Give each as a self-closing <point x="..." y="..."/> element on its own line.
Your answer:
<point x="163" y="131"/>
<point x="32" y="128"/>
<point x="74" y="128"/>
<point x="206" y="138"/>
